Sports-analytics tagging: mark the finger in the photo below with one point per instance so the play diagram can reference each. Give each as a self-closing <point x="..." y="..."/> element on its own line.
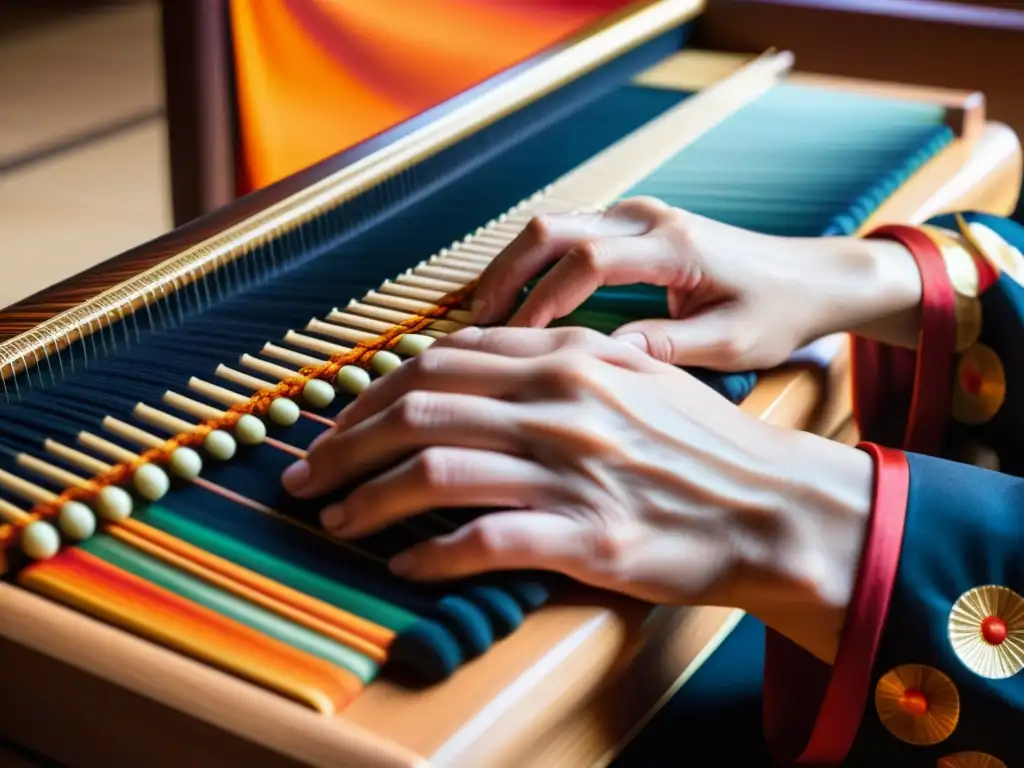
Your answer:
<point x="540" y="342"/>
<point x="540" y="243"/>
<point x="487" y="363"/>
<point x="462" y="371"/>
<point x="500" y="541"/>
<point x="644" y="209"/>
<point x="715" y="339"/>
<point x="440" y="478"/>
<point x="413" y="422"/>
<point x="593" y="264"/>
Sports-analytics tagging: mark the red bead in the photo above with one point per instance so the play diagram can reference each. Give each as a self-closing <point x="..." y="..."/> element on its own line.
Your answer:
<point x="914" y="702"/>
<point x="994" y="630"/>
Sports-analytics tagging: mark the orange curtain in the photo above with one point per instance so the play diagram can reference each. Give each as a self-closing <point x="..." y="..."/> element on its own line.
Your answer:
<point x="315" y="77"/>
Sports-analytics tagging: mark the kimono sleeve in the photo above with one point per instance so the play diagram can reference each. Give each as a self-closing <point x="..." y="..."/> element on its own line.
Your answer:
<point x="930" y="666"/>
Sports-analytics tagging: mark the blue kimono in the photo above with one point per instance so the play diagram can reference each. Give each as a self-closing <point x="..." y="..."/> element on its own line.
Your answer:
<point x="930" y="667"/>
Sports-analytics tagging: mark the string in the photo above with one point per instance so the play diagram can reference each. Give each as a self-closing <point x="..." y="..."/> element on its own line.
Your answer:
<point x="258" y="403"/>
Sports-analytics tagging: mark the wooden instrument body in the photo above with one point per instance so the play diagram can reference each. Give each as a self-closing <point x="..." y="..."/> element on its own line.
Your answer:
<point x="568" y="688"/>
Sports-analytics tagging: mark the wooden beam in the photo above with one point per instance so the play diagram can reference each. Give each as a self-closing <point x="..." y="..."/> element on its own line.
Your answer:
<point x="200" y="102"/>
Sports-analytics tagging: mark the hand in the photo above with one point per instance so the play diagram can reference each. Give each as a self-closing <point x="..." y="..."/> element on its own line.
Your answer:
<point x="613" y="468"/>
<point x="738" y="300"/>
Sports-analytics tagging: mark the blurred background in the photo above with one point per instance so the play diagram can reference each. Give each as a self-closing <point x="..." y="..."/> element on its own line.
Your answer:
<point x="120" y="120"/>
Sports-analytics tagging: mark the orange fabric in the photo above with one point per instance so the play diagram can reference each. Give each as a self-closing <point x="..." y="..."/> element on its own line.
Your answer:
<point x="315" y="77"/>
<point x="92" y="585"/>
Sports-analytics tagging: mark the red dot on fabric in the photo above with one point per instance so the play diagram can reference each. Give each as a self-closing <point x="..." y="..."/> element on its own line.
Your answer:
<point x="994" y="630"/>
<point x="914" y="702"/>
<point x="970" y="379"/>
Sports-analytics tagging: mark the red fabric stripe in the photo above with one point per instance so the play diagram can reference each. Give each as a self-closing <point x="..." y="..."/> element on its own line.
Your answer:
<point x="929" y="405"/>
<point x="841" y="710"/>
<point x="816" y="722"/>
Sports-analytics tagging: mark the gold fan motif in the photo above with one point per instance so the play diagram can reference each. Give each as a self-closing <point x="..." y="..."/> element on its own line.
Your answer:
<point x="999" y="253"/>
<point x="968" y="321"/>
<point x="970" y="760"/>
<point x="979" y="387"/>
<point x="917" y="704"/>
<point x="986" y="630"/>
<point x="956" y="253"/>
<point x="963" y="274"/>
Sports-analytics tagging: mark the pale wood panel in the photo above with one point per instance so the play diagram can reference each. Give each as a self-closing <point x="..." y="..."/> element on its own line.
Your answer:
<point x="73" y="75"/>
<point x="63" y="215"/>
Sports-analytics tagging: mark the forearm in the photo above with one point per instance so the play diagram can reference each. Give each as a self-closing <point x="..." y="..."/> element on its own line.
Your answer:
<point x="871" y="288"/>
<point x="801" y="583"/>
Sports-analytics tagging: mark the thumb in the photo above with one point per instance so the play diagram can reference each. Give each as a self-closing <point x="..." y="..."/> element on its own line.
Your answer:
<point x="716" y="339"/>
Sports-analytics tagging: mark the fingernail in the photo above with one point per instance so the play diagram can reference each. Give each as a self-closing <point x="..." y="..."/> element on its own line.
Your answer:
<point x="479" y="311"/>
<point x="402" y="565"/>
<point x="296" y="477"/>
<point x="637" y="340"/>
<point x="333" y="519"/>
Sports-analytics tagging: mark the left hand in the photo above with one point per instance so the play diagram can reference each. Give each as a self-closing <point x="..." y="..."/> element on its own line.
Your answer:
<point x="615" y="469"/>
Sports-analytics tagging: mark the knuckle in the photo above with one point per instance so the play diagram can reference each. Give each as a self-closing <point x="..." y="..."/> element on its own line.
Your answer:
<point x="586" y="256"/>
<point x="677" y="217"/>
<point x="649" y="204"/>
<point x="465" y="338"/>
<point x="436" y="468"/>
<point x="609" y="550"/>
<point x="641" y="205"/>
<point x="570" y="371"/>
<point x="737" y="346"/>
<point x="486" y="538"/>
<point x="660" y="345"/>
<point x="432" y="360"/>
<point x="579" y="337"/>
<point x="415" y="410"/>
<point x="678" y="226"/>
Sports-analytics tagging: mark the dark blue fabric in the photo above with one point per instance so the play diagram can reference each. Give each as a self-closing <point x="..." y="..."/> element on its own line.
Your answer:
<point x="715" y="718"/>
<point x="964" y="529"/>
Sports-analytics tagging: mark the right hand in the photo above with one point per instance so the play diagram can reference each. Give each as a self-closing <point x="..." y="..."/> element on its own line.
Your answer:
<point x="738" y="300"/>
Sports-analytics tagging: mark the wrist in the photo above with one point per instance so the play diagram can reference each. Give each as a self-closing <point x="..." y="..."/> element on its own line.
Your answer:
<point x="868" y="287"/>
<point x="801" y="579"/>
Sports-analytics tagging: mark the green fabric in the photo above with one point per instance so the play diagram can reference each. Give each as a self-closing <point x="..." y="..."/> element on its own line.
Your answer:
<point x="288" y="573"/>
<point x="198" y="591"/>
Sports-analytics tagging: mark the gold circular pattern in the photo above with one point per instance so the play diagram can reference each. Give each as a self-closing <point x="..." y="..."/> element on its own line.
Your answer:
<point x="967" y="625"/>
<point x="968" y="321"/>
<point x="956" y="253"/>
<point x="963" y="275"/>
<point x="917" y="704"/>
<point x="999" y="253"/>
<point x="979" y="386"/>
<point x="969" y="760"/>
